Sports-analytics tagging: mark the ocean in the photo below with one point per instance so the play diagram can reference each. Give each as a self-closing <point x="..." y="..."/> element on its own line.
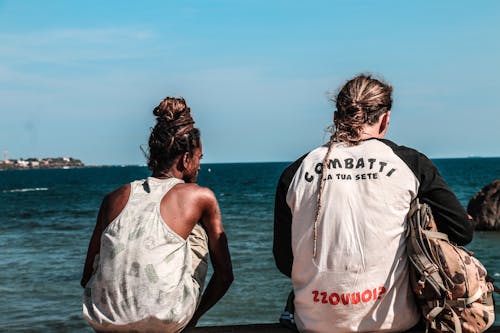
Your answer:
<point x="47" y="217"/>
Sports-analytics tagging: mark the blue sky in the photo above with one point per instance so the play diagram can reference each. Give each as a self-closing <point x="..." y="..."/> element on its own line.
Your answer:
<point x="80" y="78"/>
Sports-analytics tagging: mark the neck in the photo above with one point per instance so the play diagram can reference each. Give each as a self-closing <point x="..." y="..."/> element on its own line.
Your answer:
<point x="373" y="131"/>
<point x="170" y="173"/>
<point x="370" y="134"/>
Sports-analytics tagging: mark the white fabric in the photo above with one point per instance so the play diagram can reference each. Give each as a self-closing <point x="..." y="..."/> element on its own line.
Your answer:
<point x="144" y="277"/>
<point x="359" y="279"/>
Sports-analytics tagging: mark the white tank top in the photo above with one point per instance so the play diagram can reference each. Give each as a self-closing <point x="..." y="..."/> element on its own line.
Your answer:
<point x="143" y="279"/>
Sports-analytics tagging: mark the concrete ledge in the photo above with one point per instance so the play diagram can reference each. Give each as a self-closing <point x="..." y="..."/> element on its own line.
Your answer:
<point x="250" y="328"/>
<point x="272" y="328"/>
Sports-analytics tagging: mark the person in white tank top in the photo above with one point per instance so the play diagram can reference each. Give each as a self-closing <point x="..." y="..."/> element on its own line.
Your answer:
<point x="340" y="220"/>
<point x="148" y="255"/>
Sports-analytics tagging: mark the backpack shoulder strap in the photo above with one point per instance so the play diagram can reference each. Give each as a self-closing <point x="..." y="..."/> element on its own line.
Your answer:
<point x="417" y="248"/>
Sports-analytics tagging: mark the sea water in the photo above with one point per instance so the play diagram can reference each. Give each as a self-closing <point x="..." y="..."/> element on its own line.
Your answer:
<point x="47" y="217"/>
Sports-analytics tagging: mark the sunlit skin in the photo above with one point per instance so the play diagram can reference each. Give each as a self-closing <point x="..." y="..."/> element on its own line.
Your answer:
<point x="181" y="208"/>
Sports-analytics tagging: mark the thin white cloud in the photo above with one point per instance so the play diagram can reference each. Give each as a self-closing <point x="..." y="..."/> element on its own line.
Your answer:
<point x="66" y="46"/>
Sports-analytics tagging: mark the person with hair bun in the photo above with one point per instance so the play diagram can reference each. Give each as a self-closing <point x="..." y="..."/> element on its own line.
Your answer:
<point x="340" y="220"/>
<point x="148" y="256"/>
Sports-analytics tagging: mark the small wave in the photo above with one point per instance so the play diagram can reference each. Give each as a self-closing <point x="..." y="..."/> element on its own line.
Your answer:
<point x="496" y="275"/>
<point x="254" y="195"/>
<point x="26" y="190"/>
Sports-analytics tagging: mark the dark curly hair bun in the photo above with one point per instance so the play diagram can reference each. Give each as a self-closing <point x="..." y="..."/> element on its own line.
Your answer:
<point x="175" y="112"/>
<point x="174" y="133"/>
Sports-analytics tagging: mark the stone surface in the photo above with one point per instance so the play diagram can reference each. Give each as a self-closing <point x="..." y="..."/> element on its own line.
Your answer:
<point x="484" y="207"/>
<point x="272" y="328"/>
<point x="249" y="328"/>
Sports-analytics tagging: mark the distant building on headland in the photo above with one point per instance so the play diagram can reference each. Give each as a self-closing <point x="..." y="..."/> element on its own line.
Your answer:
<point x="39" y="163"/>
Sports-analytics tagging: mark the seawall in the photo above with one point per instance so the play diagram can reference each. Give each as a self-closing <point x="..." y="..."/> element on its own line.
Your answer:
<point x="271" y="328"/>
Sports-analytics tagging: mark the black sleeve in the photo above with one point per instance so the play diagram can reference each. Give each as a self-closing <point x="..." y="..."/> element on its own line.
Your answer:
<point x="282" y="242"/>
<point x="451" y="218"/>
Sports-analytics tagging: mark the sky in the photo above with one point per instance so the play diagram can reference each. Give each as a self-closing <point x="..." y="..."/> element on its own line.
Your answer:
<point x="81" y="78"/>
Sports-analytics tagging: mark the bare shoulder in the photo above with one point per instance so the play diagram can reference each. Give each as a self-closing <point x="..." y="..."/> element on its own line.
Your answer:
<point x="187" y="204"/>
<point x="114" y="202"/>
<point x="118" y="195"/>
<point x="195" y="192"/>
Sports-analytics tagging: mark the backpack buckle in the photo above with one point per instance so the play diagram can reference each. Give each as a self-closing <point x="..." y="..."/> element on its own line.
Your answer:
<point x="421" y="282"/>
<point x="461" y="303"/>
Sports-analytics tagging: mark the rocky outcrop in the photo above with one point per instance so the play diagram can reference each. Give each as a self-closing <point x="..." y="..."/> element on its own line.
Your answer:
<point x="484" y="207"/>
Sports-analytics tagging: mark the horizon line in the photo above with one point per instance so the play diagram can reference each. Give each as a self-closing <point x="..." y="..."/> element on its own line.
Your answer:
<point x="288" y="161"/>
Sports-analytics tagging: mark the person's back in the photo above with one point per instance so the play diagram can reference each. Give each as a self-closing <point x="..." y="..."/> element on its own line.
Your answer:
<point x="353" y="283"/>
<point x="147" y="259"/>
<point x="144" y="268"/>
<point x="340" y="220"/>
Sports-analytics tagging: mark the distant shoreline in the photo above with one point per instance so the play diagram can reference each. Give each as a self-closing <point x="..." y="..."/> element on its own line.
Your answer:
<point x="43" y="163"/>
<point x="72" y="163"/>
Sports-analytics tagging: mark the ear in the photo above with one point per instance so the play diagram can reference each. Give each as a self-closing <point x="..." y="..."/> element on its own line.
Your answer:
<point x="384" y="122"/>
<point x="185" y="159"/>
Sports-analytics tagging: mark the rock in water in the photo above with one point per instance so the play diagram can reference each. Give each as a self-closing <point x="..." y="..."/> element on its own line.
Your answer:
<point x="484" y="207"/>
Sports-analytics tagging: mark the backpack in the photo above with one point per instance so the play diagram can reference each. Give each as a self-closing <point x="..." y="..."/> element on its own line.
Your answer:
<point x="451" y="287"/>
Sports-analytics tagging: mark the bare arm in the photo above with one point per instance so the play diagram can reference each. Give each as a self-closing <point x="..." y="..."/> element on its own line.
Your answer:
<point x="111" y="206"/>
<point x="94" y="245"/>
<point x="219" y="256"/>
